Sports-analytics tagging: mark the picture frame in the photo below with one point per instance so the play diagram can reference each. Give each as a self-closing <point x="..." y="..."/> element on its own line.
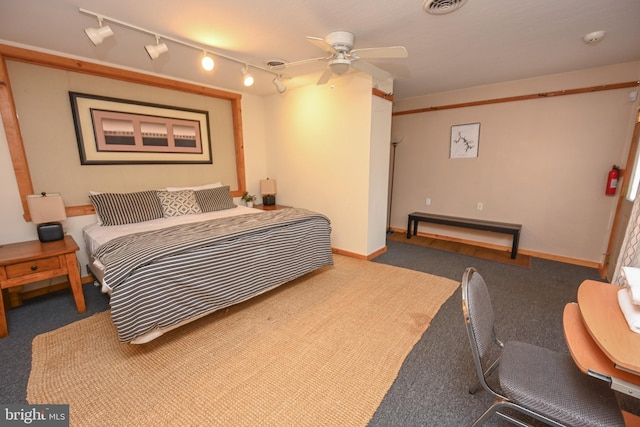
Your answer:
<point x="118" y="131"/>
<point x="465" y="140"/>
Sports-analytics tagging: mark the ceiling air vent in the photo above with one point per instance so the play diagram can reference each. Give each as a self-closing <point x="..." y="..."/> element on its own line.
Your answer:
<point x="440" y="7"/>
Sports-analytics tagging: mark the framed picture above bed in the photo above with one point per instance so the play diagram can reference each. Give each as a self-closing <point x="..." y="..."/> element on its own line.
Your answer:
<point x="118" y="131"/>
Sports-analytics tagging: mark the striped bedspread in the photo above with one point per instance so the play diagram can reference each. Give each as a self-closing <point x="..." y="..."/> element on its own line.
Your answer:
<point x="164" y="277"/>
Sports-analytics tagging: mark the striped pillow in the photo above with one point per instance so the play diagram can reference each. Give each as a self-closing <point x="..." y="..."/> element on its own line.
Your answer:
<point x="127" y="208"/>
<point x="215" y="199"/>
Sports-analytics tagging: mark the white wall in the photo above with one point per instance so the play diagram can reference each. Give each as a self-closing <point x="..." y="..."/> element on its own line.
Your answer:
<point x="320" y="152"/>
<point x="542" y="163"/>
<point x="379" y="173"/>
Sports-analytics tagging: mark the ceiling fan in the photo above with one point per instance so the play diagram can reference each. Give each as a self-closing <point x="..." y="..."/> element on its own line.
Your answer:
<point x="338" y="45"/>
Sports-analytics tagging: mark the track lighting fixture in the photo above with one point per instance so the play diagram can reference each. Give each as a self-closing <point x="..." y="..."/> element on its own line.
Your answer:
<point x="97" y="35"/>
<point x="155" y="50"/>
<point x="247" y="77"/>
<point x="207" y="62"/>
<point x="279" y="85"/>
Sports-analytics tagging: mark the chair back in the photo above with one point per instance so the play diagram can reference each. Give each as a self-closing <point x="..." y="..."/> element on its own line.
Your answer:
<point x="479" y="319"/>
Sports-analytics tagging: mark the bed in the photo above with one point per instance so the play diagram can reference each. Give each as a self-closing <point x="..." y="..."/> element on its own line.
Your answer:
<point x="169" y="257"/>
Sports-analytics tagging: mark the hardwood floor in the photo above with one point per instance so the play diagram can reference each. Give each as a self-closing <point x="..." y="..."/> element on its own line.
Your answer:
<point x="463" y="249"/>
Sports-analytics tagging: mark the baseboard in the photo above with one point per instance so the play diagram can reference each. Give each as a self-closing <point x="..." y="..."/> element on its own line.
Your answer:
<point x="542" y="255"/>
<point x="359" y="256"/>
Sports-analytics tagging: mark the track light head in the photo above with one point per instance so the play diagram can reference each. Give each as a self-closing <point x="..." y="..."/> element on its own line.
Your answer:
<point x="207" y="62"/>
<point x="155" y="50"/>
<point x="97" y="35"/>
<point x="279" y="85"/>
<point x="247" y="77"/>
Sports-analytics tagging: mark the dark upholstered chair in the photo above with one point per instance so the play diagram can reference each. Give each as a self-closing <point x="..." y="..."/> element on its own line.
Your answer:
<point x="535" y="381"/>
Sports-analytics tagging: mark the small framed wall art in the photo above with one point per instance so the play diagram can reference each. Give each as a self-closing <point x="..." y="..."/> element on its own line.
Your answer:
<point x="464" y="141"/>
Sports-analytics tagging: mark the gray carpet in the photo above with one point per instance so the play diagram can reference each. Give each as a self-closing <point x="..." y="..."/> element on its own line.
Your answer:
<point x="431" y="389"/>
<point x="432" y="386"/>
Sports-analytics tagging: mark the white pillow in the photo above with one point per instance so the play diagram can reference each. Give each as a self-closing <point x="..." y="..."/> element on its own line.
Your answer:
<point x="196" y="187"/>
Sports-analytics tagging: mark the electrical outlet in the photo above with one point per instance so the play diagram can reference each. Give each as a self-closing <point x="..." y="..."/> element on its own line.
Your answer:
<point x="428" y="202"/>
<point x="479" y="207"/>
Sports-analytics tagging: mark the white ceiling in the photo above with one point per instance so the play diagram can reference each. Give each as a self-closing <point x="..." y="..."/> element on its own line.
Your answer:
<point x="485" y="41"/>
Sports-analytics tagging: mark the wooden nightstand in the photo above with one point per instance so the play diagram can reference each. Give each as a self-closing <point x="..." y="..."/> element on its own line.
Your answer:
<point x="271" y="207"/>
<point x="28" y="262"/>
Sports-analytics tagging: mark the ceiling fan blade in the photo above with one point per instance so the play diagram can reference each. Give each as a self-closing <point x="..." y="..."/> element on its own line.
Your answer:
<point x="381" y="52"/>
<point x="324" y="78"/>
<point x="365" y="67"/>
<point x="301" y="62"/>
<point x="322" y="44"/>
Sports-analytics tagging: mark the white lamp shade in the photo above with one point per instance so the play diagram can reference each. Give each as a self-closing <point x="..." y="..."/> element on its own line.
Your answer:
<point x="339" y="65"/>
<point x="46" y="208"/>
<point x="97" y="35"/>
<point x="268" y="187"/>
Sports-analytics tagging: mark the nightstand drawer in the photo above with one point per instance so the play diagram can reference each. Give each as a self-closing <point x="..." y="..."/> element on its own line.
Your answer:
<point x="31" y="267"/>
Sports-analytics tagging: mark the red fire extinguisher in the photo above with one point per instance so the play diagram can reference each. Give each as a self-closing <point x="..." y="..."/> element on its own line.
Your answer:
<point x="612" y="181"/>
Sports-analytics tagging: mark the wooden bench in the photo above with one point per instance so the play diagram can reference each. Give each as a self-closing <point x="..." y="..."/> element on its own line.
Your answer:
<point x="476" y="224"/>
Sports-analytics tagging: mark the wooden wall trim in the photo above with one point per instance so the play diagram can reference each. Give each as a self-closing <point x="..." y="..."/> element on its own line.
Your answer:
<point x="14" y="138"/>
<point x="381" y="94"/>
<point x="12" y="127"/>
<point x="522" y="97"/>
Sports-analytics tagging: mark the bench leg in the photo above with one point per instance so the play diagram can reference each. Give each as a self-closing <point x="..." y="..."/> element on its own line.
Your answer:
<point x="409" y="228"/>
<point x="514" y="246"/>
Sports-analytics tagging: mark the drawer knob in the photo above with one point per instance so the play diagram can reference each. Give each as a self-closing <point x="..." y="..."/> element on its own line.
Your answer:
<point x="34" y="267"/>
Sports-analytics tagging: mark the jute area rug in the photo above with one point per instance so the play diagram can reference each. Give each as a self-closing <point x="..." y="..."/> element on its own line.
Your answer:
<point x="321" y="350"/>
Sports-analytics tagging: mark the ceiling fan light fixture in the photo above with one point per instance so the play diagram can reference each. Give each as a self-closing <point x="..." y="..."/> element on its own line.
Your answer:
<point x="340" y="65"/>
<point x="155" y="50"/>
<point x="441" y="7"/>
<point x="97" y="35"/>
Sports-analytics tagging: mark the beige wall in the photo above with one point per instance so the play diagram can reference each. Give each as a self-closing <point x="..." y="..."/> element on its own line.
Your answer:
<point x="542" y="163"/>
<point x="316" y="141"/>
<point x="320" y="151"/>
<point x="15" y="229"/>
<point x="42" y="101"/>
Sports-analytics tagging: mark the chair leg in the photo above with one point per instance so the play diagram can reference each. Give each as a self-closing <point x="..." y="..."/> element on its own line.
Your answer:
<point x="502" y="403"/>
<point x="474" y="388"/>
<point x="489" y="371"/>
<point x="494" y="409"/>
<point x="488" y="413"/>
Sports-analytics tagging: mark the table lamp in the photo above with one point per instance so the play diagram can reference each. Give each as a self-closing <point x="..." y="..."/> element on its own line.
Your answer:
<point x="268" y="191"/>
<point x="47" y="211"/>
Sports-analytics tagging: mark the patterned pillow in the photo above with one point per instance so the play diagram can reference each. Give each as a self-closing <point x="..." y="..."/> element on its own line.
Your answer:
<point x="176" y="203"/>
<point x="215" y="199"/>
<point x="126" y="208"/>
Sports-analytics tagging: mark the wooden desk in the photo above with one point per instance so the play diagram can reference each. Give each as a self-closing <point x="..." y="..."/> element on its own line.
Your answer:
<point x="599" y="339"/>
<point x="28" y="262"/>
